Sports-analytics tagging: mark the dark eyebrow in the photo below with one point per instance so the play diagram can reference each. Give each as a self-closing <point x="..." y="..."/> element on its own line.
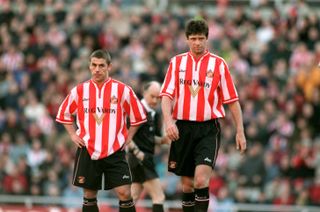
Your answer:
<point x="101" y="64"/>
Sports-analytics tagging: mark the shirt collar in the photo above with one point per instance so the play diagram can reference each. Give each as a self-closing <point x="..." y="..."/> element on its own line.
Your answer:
<point x="147" y="107"/>
<point x="200" y="58"/>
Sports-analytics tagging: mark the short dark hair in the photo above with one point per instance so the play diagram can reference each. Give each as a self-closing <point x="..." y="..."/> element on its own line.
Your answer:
<point x="197" y="26"/>
<point x="100" y="53"/>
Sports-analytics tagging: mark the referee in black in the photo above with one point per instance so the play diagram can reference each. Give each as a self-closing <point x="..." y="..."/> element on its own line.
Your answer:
<point x="141" y="150"/>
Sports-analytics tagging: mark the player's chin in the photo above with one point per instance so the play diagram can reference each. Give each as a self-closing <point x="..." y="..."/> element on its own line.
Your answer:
<point x="99" y="78"/>
<point x="153" y="106"/>
<point x="199" y="50"/>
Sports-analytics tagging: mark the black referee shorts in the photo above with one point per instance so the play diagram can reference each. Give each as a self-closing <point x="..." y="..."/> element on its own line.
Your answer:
<point x="89" y="173"/>
<point x="199" y="143"/>
<point x="141" y="173"/>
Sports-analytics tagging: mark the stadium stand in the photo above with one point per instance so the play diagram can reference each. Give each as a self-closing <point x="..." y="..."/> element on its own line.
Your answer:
<point x="272" y="48"/>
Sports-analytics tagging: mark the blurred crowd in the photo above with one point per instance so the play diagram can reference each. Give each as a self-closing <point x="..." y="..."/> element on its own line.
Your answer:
<point x="273" y="52"/>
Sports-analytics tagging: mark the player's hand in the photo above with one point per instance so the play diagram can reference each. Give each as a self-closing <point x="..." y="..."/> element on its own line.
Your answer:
<point x="126" y="143"/>
<point x="241" y="142"/>
<point x="77" y="140"/>
<point x="165" y="140"/>
<point x="172" y="130"/>
<point x="140" y="155"/>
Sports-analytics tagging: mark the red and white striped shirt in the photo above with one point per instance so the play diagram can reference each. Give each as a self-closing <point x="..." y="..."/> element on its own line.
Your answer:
<point x="101" y="115"/>
<point x="199" y="88"/>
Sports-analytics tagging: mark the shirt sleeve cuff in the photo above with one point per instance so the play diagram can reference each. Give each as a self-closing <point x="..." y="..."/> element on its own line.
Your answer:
<point x="64" y="121"/>
<point x="231" y="100"/>
<point x="138" y="123"/>
<point x="166" y="94"/>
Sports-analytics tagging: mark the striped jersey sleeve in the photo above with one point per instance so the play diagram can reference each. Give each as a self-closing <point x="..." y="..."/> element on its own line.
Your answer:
<point x="101" y="115"/>
<point x="229" y="92"/>
<point x="134" y="108"/>
<point x="169" y="84"/>
<point x="199" y="86"/>
<point x="68" y="108"/>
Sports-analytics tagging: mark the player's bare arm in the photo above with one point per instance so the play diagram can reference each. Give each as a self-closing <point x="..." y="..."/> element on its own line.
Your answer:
<point x="132" y="146"/>
<point x="236" y="112"/>
<point x="162" y="140"/>
<point x="132" y="130"/>
<point x="170" y="125"/>
<point x="74" y="137"/>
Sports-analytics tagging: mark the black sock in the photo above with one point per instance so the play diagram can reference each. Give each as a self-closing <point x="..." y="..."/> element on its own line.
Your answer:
<point x="188" y="202"/>
<point x="90" y="205"/>
<point x="202" y="199"/>
<point x="157" y="208"/>
<point x="127" y="206"/>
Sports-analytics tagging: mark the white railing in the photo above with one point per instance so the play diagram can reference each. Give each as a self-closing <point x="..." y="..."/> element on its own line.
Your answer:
<point x="30" y="201"/>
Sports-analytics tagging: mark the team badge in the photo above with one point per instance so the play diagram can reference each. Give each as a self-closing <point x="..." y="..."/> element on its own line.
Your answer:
<point x="194" y="92"/>
<point x="114" y="100"/>
<point x="172" y="164"/>
<point x="210" y="73"/>
<point x="98" y="119"/>
<point x="81" y="179"/>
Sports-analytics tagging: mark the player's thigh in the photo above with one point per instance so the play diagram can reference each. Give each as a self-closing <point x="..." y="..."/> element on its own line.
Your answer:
<point x="86" y="172"/>
<point x="116" y="171"/>
<point x="207" y="148"/>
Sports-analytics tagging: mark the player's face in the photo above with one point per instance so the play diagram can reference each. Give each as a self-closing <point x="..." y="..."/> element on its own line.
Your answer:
<point x="99" y="69"/>
<point x="197" y="44"/>
<point x="152" y="96"/>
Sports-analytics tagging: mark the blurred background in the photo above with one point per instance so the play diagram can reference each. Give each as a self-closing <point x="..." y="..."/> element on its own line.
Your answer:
<point x="273" y="52"/>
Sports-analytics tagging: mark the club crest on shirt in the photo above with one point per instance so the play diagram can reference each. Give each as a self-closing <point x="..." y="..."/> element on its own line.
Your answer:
<point x="172" y="164"/>
<point x="98" y="119"/>
<point x="209" y="73"/>
<point x="114" y="100"/>
<point x="81" y="179"/>
<point x="194" y="92"/>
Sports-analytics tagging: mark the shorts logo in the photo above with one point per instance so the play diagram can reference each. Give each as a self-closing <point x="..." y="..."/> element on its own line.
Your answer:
<point x="194" y="92"/>
<point x="210" y="73"/>
<point x="81" y="179"/>
<point x="172" y="164"/>
<point x="114" y="100"/>
<point x="125" y="177"/>
<point x="208" y="160"/>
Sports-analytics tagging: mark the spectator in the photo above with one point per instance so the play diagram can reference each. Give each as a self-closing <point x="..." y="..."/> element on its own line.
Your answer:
<point x="281" y="94"/>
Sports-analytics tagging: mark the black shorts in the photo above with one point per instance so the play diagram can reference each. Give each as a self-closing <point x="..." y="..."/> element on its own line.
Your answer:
<point x="141" y="173"/>
<point x="89" y="173"/>
<point x="199" y="143"/>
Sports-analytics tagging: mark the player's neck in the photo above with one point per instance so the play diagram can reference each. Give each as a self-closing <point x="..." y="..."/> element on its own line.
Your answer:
<point x="197" y="56"/>
<point x="100" y="83"/>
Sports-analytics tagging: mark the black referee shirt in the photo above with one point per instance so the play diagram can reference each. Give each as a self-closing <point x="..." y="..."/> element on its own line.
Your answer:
<point x="144" y="137"/>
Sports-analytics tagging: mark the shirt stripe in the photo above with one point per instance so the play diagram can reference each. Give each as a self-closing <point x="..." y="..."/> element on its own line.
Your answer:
<point x="101" y="115"/>
<point x="199" y="87"/>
